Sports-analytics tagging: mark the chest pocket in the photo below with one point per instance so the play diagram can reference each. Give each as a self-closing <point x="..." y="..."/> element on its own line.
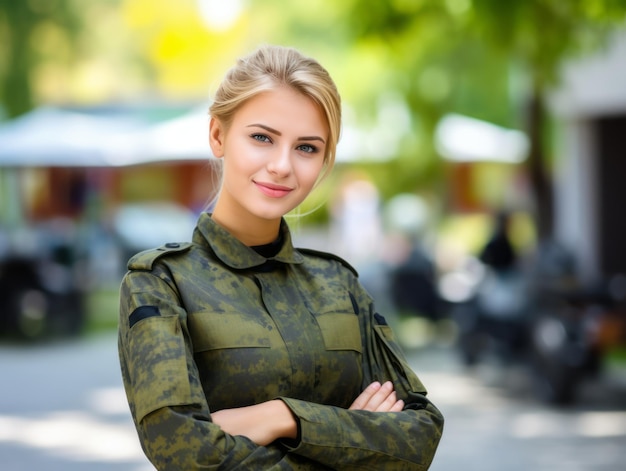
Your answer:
<point x="241" y="359"/>
<point x="214" y="331"/>
<point x="340" y="331"/>
<point x="336" y="316"/>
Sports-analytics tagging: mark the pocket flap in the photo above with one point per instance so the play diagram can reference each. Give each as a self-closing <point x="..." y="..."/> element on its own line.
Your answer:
<point x="340" y="331"/>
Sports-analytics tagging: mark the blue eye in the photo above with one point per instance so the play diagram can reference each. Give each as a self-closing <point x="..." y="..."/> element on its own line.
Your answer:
<point x="308" y="148"/>
<point x="260" y="137"/>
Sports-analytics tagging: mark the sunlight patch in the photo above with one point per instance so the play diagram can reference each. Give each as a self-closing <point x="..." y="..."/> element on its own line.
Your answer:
<point x="587" y="424"/>
<point x="75" y="435"/>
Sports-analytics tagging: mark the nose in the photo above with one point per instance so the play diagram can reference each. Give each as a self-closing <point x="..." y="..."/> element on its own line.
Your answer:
<point x="280" y="162"/>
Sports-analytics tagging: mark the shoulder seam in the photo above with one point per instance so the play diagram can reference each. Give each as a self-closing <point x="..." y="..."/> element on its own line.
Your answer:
<point x="145" y="260"/>
<point x="329" y="256"/>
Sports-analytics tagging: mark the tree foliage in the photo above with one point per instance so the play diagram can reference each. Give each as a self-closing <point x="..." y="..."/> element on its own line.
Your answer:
<point x="22" y="24"/>
<point x="491" y="59"/>
<point x="538" y="36"/>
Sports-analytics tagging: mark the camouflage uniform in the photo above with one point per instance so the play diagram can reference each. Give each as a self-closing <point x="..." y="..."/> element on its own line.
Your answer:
<point x="212" y="324"/>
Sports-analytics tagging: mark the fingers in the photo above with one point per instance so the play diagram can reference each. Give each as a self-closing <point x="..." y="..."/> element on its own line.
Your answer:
<point x="391" y="404"/>
<point x="360" y="403"/>
<point x="378" y="398"/>
<point x="398" y="406"/>
<point x="381" y="398"/>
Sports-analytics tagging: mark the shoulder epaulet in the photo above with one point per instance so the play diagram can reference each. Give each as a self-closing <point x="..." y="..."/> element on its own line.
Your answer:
<point x="145" y="260"/>
<point x="329" y="256"/>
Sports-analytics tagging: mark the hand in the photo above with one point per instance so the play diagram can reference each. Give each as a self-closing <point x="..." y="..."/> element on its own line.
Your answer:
<point x="378" y="398"/>
<point x="262" y="423"/>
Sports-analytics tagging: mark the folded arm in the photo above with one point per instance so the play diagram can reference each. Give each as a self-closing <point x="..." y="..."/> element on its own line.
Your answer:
<point x="272" y="420"/>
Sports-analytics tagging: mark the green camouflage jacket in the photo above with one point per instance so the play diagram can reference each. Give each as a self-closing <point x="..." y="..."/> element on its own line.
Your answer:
<point x="212" y="324"/>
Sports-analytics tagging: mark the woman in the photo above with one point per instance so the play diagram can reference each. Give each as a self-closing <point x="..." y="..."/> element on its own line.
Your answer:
<point x="239" y="351"/>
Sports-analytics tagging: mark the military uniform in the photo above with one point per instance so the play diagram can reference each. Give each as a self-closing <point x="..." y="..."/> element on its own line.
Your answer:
<point x="212" y="324"/>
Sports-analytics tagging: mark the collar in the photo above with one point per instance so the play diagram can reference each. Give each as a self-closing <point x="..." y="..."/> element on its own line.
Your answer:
<point x="234" y="253"/>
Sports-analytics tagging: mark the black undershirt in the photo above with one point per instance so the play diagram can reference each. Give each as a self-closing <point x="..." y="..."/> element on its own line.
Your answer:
<point x="270" y="250"/>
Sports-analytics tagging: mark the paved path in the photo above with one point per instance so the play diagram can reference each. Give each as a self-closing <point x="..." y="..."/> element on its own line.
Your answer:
<point x="62" y="408"/>
<point x="493" y="423"/>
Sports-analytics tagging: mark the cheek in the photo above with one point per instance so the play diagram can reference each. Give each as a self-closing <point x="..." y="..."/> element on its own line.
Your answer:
<point x="240" y="161"/>
<point x="310" y="171"/>
<point x="232" y="173"/>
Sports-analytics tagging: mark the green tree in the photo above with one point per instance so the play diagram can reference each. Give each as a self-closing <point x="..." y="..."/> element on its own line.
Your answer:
<point x="538" y="36"/>
<point x="454" y="38"/>
<point x="69" y="51"/>
<point x="19" y="22"/>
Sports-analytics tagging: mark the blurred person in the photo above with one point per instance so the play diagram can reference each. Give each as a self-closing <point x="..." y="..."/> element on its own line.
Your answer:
<point x="239" y="351"/>
<point x="413" y="275"/>
<point x="496" y="319"/>
<point x="503" y="294"/>
<point x="498" y="252"/>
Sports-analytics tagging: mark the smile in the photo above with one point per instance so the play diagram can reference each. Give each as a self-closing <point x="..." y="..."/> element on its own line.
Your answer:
<point x="271" y="190"/>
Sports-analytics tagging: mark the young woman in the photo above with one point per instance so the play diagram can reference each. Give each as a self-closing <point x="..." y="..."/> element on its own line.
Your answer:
<point x="239" y="351"/>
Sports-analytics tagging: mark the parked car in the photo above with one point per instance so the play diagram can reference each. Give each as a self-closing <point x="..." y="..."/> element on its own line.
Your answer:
<point x="42" y="281"/>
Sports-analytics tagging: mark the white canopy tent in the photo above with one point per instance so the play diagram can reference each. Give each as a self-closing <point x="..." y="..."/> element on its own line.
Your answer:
<point x="463" y="139"/>
<point x="53" y="137"/>
<point x="182" y="138"/>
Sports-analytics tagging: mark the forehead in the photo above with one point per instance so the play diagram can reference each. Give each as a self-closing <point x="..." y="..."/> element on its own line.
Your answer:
<point x="283" y="107"/>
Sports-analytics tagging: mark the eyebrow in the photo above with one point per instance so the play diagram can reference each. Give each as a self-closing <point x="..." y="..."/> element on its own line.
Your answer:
<point x="278" y="133"/>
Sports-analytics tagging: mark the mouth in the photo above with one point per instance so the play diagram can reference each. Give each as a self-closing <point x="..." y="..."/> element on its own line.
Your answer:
<point x="272" y="190"/>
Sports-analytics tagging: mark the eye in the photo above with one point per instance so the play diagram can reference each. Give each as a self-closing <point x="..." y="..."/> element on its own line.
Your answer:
<point x="260" y="137"/>
<point x="308" y="148"/>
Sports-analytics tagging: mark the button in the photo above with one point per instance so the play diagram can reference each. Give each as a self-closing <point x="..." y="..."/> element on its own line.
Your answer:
<point x="172" y="245"/>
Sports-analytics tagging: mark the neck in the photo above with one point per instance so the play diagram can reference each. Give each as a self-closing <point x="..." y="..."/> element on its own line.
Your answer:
<point x="248" y="229"/>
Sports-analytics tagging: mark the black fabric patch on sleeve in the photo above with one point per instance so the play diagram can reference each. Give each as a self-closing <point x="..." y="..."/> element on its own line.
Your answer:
<point x="143" y="312"/>
<point x="380" y="319"/>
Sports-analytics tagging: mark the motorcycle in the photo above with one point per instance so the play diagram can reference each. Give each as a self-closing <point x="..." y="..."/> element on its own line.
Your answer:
<point x="558" y="329"/>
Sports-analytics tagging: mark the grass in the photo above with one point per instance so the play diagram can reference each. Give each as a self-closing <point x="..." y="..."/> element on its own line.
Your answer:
<point x="102" y="310"/>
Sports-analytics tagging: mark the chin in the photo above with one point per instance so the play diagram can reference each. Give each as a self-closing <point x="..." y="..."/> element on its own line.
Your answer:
<point x="270" y="214"/>
<point x="274" y="211"/>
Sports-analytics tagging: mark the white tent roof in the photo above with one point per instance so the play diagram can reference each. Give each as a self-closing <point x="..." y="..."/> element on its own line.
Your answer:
<point x="53" y="137"/>
<point x="183" y="138"/>
<point x="463" y="139"/>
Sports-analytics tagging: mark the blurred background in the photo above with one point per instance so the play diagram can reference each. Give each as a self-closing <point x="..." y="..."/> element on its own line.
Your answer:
<point x="477" y="190"/>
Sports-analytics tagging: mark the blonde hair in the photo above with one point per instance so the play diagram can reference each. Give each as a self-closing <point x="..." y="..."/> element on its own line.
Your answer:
<point x="270" y="67"/>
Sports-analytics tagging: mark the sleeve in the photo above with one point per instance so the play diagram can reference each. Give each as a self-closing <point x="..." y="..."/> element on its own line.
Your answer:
<point x="363" y="440"/>
<point x="164" y="392"/>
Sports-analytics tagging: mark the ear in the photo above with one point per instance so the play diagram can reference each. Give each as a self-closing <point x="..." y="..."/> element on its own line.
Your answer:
<point x="217" y="135"/>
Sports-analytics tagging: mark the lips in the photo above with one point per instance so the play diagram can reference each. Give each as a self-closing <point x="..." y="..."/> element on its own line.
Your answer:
<point x="272" y="190"/>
